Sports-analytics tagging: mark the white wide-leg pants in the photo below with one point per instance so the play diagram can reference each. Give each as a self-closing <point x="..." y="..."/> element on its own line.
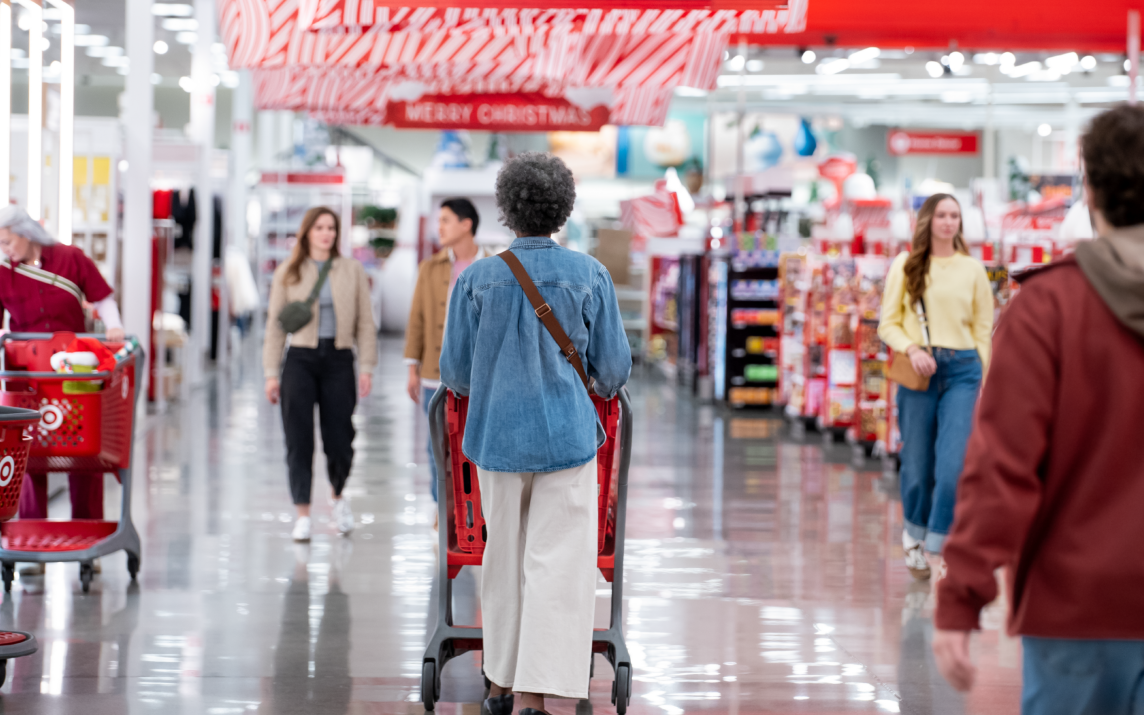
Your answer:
<point x="538" y="581"/>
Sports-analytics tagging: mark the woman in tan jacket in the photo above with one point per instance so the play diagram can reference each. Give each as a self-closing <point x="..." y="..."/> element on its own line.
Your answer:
<point x="319" y="367"/>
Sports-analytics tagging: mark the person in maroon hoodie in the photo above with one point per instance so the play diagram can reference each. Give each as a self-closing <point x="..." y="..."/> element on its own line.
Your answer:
<point x="1053" y="485"/>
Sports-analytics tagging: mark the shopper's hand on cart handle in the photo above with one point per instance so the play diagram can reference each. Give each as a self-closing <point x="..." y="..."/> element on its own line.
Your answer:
<point x="951" y="651"/>
<point x="116" y="335"/>
<point x="273" y="390"/>
<point x="922" y="361"/>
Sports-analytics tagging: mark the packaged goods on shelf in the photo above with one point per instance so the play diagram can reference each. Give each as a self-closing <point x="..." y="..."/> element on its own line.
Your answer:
<point x="742" y="317"/>
<point x="751" y="396"/>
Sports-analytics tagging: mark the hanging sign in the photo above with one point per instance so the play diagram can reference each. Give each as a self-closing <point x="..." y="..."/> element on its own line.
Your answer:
<point x="499" y="113"/>
<point x="901" y="142"/>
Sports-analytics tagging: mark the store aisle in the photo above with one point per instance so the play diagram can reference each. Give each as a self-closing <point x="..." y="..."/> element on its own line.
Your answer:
<point x="763" y="574"/>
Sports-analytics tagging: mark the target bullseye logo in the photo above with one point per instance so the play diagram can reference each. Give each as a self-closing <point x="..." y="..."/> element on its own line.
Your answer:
<point x="7" y="471"/>
<point x="51" y="417"/>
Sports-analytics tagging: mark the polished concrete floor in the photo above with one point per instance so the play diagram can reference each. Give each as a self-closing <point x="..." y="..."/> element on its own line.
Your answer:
<point x="763" y="574"/>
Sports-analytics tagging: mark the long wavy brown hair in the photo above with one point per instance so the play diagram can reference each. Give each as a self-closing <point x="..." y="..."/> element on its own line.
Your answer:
<point x="918" y="262"/>
<point x="302" y="246"/>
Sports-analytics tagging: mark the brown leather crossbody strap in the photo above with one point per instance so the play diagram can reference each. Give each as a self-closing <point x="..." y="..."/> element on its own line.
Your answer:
<point x="544" y="312"/>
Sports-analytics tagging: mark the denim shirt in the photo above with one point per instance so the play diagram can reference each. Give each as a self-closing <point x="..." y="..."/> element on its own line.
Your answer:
<point x="528" y="409"/>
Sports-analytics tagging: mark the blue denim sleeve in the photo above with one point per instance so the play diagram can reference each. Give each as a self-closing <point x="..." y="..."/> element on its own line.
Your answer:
<point x="609" y="355"/>
<point x="457" y="348"/>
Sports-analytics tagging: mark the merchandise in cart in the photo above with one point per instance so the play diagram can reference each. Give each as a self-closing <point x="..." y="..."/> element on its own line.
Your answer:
<point x="15" y="442"/>
<point x="462" y="536"/>
<point x="86" y="425"/>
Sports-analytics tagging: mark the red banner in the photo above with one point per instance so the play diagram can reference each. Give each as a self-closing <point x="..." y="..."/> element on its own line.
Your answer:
<point x="498" y="113"/>
<point x="901" y="143"/>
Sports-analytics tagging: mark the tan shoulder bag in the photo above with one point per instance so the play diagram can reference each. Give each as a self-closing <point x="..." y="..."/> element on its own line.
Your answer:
<point x="901" y="369"/>
<point x="544" y="312"/>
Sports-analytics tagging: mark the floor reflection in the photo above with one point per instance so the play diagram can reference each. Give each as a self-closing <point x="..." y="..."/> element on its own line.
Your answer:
<point x="763" y="574"/>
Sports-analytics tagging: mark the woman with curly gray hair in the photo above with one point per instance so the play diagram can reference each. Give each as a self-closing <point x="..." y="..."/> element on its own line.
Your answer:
<point x="533" y="433"/>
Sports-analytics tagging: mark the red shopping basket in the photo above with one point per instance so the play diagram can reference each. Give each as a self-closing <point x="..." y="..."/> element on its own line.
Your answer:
<point x="15" y="441"/>
<point x="81" y="432"/>
<point x="469" y="519"/>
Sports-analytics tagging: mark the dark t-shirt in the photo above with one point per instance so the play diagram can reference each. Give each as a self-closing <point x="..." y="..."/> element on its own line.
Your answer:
<point x="38" y="307"/>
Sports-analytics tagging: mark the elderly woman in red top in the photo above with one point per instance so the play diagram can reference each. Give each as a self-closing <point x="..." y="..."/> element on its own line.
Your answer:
<point x="44" y="287"/>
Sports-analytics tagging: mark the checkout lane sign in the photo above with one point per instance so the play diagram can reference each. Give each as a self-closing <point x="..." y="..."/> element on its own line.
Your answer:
<point x="900" y="142"/>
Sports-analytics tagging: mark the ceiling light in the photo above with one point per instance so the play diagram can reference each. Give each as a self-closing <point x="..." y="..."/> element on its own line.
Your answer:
<point x="160" y="47"/>
<point x="1127" y="65"/>
<point x="935" y="69"/>
<point x="809" y="57"/>
<point x="52" y="14"/>
<point x="1088" y="63"/>
<point x="1024" y="70"/>
<point x="186" y="38"/>
<point x="119" y="61"/>
<point x="1045" y="130"/>
<point x="45" y="44"/>
<point x="956" y="60"/>
<point x="1062" y="63"/>
<point x="987" y="58"/>
<point x="24" y="21"/>
<point x="91" y="41"/>
<point x="736" y="63"/>
<point x="17" y="53"/>
<point x="180" y="24"/>
<point x="230" y="79"/>
<point x="104" y="51"/>
<point x="83" y="29"/>
<point x="171" y="10"/>
<point x="832" y="66"/>
<point x="754" y="65"/>
<point x="1008" y="59"/>
<point x="865" y="55"/>
<point x="679" y="91"/>
<point x="55" y="66"/>
<point x="186" y="84"/>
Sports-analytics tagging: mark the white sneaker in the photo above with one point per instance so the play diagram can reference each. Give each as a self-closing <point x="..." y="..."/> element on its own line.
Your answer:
<point x="915" y="557"/>
<point x="343" y="516"/>
<point x="302" y="529"/>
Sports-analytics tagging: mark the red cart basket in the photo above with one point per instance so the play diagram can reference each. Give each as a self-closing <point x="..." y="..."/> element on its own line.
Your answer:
<point x="15" y="441"/>
<point x="86" y="425"/>
<point x="462" y="536"/>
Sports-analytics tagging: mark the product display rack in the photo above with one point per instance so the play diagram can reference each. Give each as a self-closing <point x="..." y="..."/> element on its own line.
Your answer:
<point x="753" y="321"/>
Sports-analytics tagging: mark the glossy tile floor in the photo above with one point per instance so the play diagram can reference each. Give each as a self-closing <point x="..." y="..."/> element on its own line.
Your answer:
<point x="763" y="574"/>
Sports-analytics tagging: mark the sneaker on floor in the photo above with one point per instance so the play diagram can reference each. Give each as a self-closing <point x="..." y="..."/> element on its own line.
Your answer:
<point x="302" y="529"/>
<point x="916" y="560"/>
<point x="343" y="516"/>
<point x="32" y="569"/>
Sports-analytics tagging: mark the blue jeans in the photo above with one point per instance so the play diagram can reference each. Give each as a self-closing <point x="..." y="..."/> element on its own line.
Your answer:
<point x="426" y="395"/>
<point x="1082" y="677"/>
<point x="935" y="426"/>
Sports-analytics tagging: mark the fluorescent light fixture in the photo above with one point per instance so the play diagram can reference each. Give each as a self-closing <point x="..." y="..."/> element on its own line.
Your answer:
<point x="67" y="120"/>
<point x="1063" y="63"/>
<point x="1088" y="63"/>
<point x="755" y="65"/>
<point x="1024" y="70"/>
<point x="956" y="60"/>
<point x="104" y="51"/>
<point x="83" y="29"/>
<point x="1008" y="59"/>
<point x="230" y="79"/>
<point x="31" y="19"/>
<point x="186" y="38"/>
<point x="160" y="47"/>
<point x="679" y="91"/>
<point x="934" y="69"/>
<point x="180" y="24"/>
<point x="987" y="58"/>
<point x="809" y="57"/>
<point x="186" y="84"/>
<point x="736" y="63"/>
<point x="5" y="104"/>
<point x="865" y="55"/>
<point x="1045" y="130"/>
<point x="834" y="66"/>
<point x="172" y="10"/>
<point x="91" y="41"/>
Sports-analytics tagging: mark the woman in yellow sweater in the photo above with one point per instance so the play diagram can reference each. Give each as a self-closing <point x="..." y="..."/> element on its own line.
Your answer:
<point x="958" y="303"/>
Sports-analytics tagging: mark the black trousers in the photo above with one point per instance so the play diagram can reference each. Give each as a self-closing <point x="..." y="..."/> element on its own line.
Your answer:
<point x="322" y="376"/>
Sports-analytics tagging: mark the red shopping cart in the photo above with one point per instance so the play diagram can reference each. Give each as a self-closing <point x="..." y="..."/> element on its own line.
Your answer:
<point x="15" y="442"/>
<point x="462" y="536"/>
<point x="86" y="425"/>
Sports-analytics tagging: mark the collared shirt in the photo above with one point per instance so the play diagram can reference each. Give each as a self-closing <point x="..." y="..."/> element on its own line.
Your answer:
<point x="528" y="409"/>
<point x="36" y="307"/>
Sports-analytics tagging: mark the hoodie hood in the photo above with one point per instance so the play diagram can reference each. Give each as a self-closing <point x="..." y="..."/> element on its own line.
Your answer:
<point x="1114" y="265"/>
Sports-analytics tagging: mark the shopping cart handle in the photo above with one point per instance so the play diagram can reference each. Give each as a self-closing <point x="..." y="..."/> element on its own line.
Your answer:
<point x="67" y="376"/>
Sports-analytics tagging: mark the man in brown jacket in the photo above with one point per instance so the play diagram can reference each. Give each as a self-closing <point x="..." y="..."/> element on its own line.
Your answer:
<point x="1054" y="473"/>
<point x="457" y="228"/>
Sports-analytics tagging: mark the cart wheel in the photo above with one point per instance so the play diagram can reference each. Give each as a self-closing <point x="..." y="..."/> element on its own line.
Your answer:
<point x="429" y="685"/>
<point x="622" y="689"/>
<point x="3" y="672"/>
<point x="86" y="572"/>
<point x="8" y="569"/>
<point x="132" y="565"/>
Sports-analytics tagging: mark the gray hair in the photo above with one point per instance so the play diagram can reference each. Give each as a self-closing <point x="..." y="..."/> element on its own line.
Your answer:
<point x="17" y="220"/>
